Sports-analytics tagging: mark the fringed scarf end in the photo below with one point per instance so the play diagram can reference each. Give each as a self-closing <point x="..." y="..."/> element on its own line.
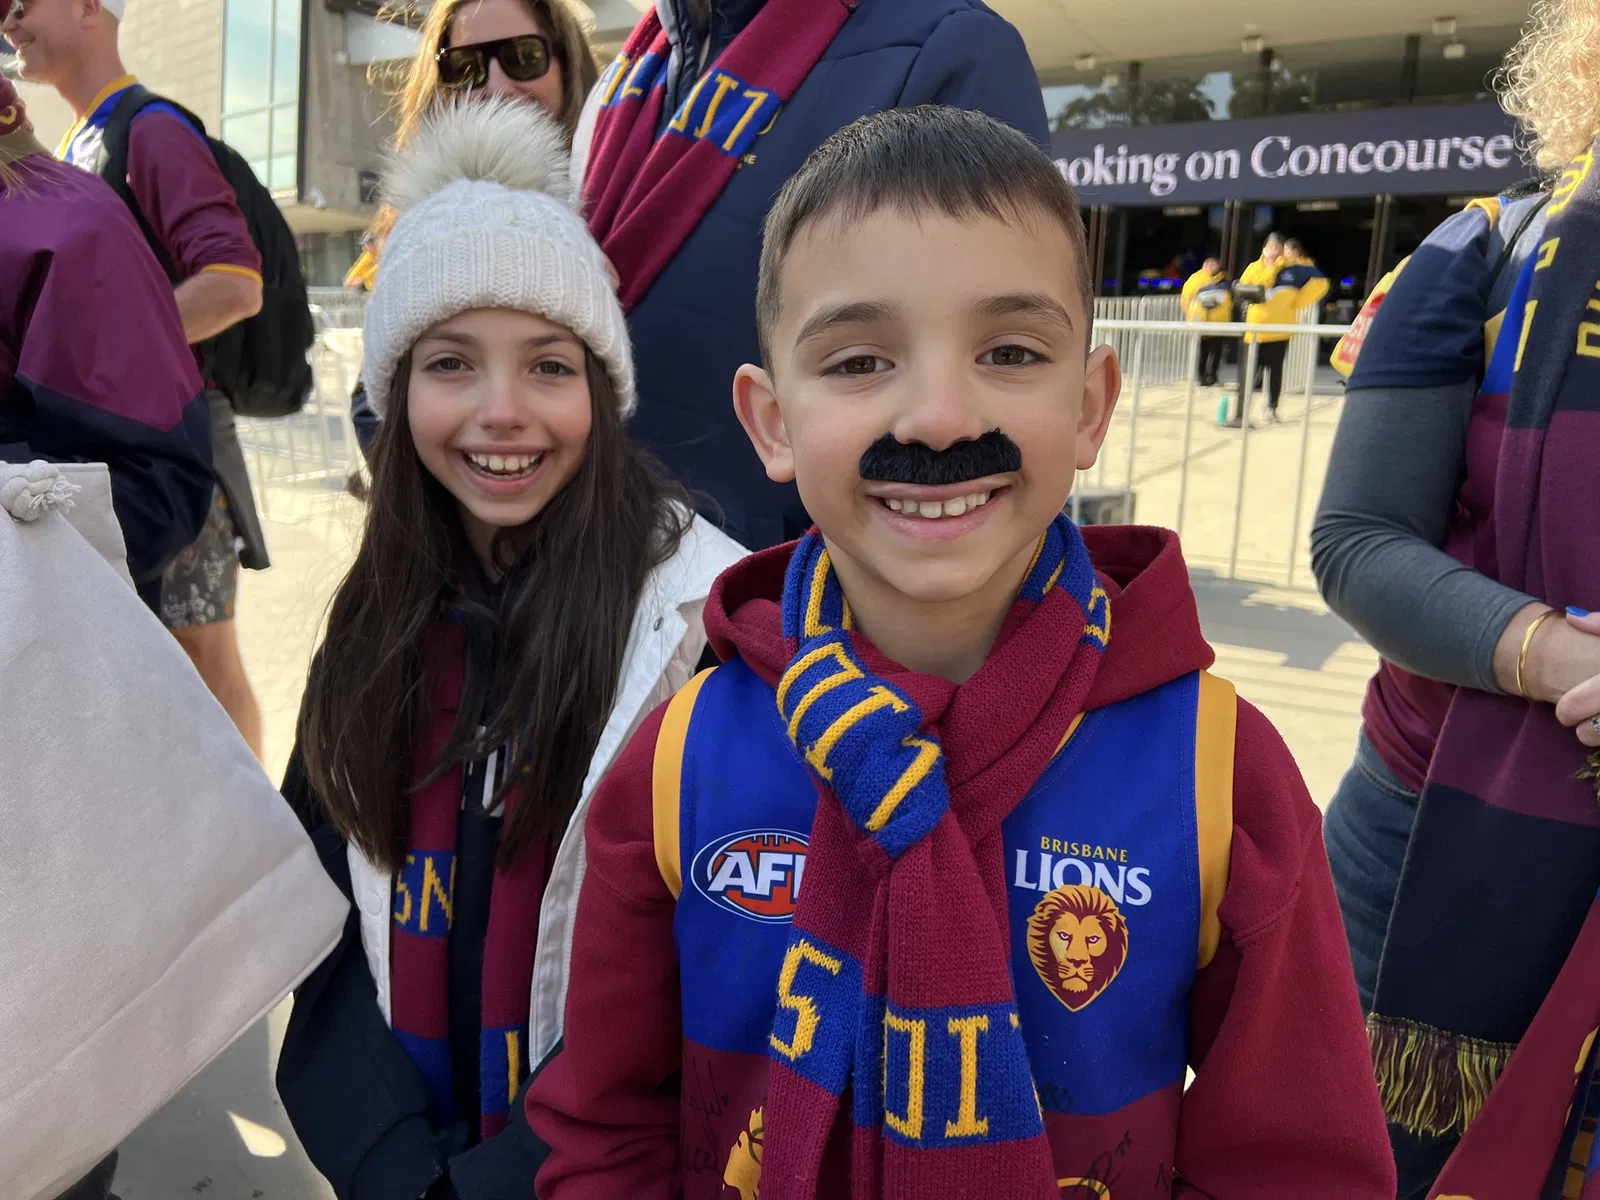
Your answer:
<point x="1591" y="771"/>
<point x="1432" y="1082"/>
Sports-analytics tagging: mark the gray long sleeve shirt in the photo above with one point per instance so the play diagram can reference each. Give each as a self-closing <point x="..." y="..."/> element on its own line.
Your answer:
<point x="1399" y="457"/>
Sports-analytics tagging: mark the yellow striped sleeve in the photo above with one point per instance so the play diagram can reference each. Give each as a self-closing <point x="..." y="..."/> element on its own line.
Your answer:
<point x="230" y="269"/>
<point x="666" y="781"/>
<point x="1213" y="802"/>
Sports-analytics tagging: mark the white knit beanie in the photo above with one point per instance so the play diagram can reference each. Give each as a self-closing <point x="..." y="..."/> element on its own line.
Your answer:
<point x="488" y="219"/>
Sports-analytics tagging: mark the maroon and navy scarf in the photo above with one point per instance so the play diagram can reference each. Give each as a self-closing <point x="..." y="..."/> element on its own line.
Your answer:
<point x="1489" y="988"/>
<point x="900" y="945"/>
<point x="645" y="192"/>
<point x="424" y="905"/>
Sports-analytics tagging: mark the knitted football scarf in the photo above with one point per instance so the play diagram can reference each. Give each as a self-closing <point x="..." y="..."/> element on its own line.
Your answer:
<point x="896" y="984"/>
<point x="1490" y="979"/>
<point x="647" y="187"/>
<point x="424" y="907"/>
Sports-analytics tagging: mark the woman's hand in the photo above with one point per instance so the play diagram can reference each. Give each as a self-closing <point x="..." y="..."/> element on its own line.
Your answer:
<point x="1579" y="707"/>
<point x="1564" y="654"/>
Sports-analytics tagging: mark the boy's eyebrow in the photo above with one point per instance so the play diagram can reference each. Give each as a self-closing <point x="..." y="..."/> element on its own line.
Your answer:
<point x="855" y="312"/>
<point x="1037" y="304"/>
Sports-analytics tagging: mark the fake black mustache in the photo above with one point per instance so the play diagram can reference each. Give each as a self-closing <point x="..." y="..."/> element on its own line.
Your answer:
<point x="890" y="461"/>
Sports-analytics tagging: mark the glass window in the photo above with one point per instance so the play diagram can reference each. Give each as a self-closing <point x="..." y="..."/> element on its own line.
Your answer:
<point x="261" y="86"/>
<point x="1312" y="77"/>
<point x="283" y="170"/>
<point x="247" y="45"/>
<point x="286" y="53"/>
<point x="250" y="134"/>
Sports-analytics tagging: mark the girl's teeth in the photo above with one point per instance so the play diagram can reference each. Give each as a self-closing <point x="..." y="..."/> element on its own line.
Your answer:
<point x="501" y="464"/>
<point x="934" y="509"/>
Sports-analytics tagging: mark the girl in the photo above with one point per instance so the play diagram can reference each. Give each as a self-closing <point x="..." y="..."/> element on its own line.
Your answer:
<point x="527" y="588"/>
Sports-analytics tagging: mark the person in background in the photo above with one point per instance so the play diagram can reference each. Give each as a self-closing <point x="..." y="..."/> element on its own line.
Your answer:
<point x="1289" y="282"/>
<point x="1454" y="534"/>
<point x="1208" y="297"/>
<point x="194" y="217"/>
<point x="94" y="367"/>
<point x="534" y="50"/>
<point x="93" y="363"/>
<point x="527" y="587"/>
<point x="697" y="124"/>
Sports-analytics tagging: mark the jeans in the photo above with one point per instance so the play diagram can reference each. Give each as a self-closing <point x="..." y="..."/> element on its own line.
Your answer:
<point x="1211" y="352"/>
<point x="1367" y="830"/>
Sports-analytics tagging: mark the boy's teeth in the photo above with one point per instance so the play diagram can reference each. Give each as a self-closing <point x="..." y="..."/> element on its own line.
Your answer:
<point x="934" y="509"/>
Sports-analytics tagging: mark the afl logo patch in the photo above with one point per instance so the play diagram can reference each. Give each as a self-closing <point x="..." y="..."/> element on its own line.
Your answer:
<point x="756" y="873"/>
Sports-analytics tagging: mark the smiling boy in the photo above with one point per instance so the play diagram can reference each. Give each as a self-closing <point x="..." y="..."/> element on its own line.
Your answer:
<point x="940" y="882"/>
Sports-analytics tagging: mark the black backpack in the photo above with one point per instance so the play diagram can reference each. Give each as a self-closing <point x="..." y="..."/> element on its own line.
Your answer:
<point x="260" y="364"/>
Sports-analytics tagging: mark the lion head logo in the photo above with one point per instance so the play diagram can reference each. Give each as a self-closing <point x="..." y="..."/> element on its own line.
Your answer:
<point x="1078" y="941"/>
<point x="743" y="1172"/>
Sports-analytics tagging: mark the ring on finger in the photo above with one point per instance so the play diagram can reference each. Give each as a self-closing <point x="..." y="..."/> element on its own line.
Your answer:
<point x="1594" y="724"/>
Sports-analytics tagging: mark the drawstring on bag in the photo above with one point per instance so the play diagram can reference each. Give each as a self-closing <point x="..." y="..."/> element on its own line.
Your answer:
<point x="36" y="489"/>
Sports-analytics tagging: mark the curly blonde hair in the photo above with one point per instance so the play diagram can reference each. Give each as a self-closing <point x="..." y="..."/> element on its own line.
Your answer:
<point x="1551" y="80"/>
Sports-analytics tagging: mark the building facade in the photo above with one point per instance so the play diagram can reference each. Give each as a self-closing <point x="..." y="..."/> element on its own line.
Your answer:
<point x="1356" y="127"/>
<point x="1187" y="130"/>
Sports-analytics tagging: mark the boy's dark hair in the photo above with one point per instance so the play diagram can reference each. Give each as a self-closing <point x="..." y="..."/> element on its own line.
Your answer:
<point x="929" y="158"/>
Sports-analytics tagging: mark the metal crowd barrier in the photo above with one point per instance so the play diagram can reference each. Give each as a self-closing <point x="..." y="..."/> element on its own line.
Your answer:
<point x="1151" y="389"/>
<point x="298" y="464"/>
<point x="1159" y="448"/>
<point x="1163" y="360"/>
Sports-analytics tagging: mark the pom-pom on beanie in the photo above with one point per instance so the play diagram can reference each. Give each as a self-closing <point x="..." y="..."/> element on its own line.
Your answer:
<point x="488" y="219"/>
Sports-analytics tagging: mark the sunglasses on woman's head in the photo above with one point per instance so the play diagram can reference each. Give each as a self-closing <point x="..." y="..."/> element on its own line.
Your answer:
<point x="523" y="58"/>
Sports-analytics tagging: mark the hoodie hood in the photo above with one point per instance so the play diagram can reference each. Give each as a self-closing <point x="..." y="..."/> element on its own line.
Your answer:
<point x="1155" y="626"/>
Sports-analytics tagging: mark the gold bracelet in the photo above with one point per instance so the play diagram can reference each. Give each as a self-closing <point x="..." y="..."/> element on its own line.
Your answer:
<point x="1527" y="643"/>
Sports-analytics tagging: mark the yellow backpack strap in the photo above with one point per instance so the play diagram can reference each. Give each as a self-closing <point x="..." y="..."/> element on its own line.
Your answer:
<point x="666" y="781"/>
<point x="1213" y="801"/>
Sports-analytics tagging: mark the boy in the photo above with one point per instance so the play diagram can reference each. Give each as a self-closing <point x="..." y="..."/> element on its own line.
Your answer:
<point x="927" y="891"/>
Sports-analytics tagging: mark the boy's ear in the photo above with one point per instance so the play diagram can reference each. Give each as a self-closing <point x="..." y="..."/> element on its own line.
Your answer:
<point x="1102" y="384"/>
<point x="756" y="403"/>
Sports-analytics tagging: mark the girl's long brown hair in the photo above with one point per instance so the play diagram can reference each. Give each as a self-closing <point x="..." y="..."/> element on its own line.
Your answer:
<point x="419" y="89"/>
<point x="544" y="646"/>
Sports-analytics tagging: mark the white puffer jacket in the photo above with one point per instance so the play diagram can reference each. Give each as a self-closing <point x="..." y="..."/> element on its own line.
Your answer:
<point x="664" y="645"/>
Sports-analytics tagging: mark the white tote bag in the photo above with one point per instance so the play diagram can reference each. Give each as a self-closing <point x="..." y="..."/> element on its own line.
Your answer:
<point x="158" y="896"/>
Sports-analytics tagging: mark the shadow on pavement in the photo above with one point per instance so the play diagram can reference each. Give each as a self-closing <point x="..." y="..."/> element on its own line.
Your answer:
<point x="1307" y="639"/>
<point x="193" y="1147"/>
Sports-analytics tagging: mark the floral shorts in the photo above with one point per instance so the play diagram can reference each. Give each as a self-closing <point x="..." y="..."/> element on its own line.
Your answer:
<point x="199" y="586"/>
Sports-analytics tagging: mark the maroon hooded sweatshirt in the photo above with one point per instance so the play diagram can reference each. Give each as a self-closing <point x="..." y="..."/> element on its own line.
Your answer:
<point x="1283" y="1103"/>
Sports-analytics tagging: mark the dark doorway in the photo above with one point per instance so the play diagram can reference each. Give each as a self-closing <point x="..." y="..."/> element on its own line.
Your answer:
<point x="1338" y="236"/>
<point x="1412" y="220"/>
<point x="1154" y="250"/>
